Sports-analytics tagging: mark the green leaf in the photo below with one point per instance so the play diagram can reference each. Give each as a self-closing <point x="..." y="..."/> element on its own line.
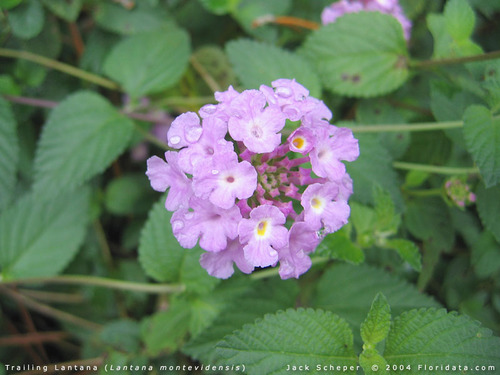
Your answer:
<point x="265" y="297"/>
<point x="459" y="19"/>
<point x="372" y="362"/>
<point x="39" y="237"/>
<point x="376" y="326"/>
<point x="349" y="290"/>
<point x="128" y="194"/>
<point x="338" y="245"/>
<point x="488" y="205"/>
<point x="257" y="63"/>
<point x="356" y="63"/>
<point x="8" y="4"/>
<point x="150" y="62"/>
<point x="165" y="330"/>
<point x="220" y="7"/>
<point x="66" y="9"/>
<point x="386" y="218"/>
<point x="217" y="65"/>
<point x="164" y="259"/>
<point x="485" y="256"/>
<point x="121" y="335"/>
<point x="82" y="136"/>
<point x="9" y="153"/>
<point x="407" y="250"/>
<point x="373" y="167"/>
<point x="429" y="220"/>
<point x="482" y="137"/>
<point x="117" y="19"/>
<point x="429" y="336"/>
<point x="27" y="19"/>
<point x="303" y="337"/>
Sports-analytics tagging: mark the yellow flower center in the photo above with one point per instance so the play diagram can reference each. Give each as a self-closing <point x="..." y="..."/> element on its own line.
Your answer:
<point x="261" y="228"/>
<point x="298" y="142"/>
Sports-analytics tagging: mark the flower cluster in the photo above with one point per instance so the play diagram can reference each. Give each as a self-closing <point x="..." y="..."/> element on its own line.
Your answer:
<point x="458" y="191"/>
<point x="392" y="7"/>
<point x="247" y="197"/>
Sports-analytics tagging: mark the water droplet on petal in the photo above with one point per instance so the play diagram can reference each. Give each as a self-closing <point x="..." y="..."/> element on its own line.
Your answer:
<point x="189" y="215"/>
<point x="273" y="253"/>
<point x="193" y="134"/>
<point x="209" y="109"/>
<point x="284" y="92"/>
<point x="175" y="139"/>
<point x="177" y="225"/>
<point x="215" y="171"/>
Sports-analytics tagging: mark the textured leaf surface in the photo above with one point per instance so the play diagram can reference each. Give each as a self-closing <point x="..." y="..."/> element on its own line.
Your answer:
<point x="349" y="290"/>
<point x="9" y="153"/>
<point x="482" y="137"/>
<point x="430" y="336"/>
<point x="338" y="245"/>
<point x="305" y="337"/>
<point x="164" y="331"/>
<point x="116" y="18"/>
<point x="164" y="259"/>
<point x="258" y="63"/>
<point x="265" y="297"/>
<point x="356" y="63"/>
<point x="27" y="19"/>
<point x="488" y="205"/>
<point x="82" y="136"/>
<point x="147" y="63"/>
<point x="373" y="167"/>
<point x="407" y="250"/>
<point x="39" y="237"/>
<point x="459" y="19"/>
<point x="376" y="325"/>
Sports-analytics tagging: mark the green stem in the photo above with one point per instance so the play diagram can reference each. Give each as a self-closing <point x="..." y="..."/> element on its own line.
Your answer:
<point x="270" y="272"/>
<point x="425" y="64"/>
<point x="101" y="281"/>
<point x="434" y="168"/>
<point x="416" y="127"/>
<point x="62" y="67"/>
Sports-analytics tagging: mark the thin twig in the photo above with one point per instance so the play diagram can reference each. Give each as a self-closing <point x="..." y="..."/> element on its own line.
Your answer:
<point x="49" y="311"/>
<point x="209" y="80"/>
<point x="53" y="297"/>
<point x="33" y="338"/>
<point x="101" y="281"/>
<point x="435" y="168"/>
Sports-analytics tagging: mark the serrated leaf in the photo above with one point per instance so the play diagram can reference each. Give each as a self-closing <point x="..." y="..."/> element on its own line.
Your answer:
<point x="265" y="297"/>
<point x="307" y="337"/>
<point x="373" y="167"/>
<point x="386" y="218"/>
<point x="147" y="63"/>
<point x="407" y="250"/>
<point x="485" y="256"/>
<point x="338" y="245"/>
<point x="66" y="9"/>
<point x="349" y="290"/>
<point x="376" y="325"/>
<point x="459" y="19"/>
<point x="39" y="237"/>
<point x="421" y="337"/>
<point x="165" y="330"/>
<point x="27" y="19"/>
<point x="164" y="259"/>
<point x="482" y="137"/>
<point x="356" y="63"/>
<point x="257" y="63"/>
<point x="117" y="19"/>
<point x="81" y="137"/>
<point x="9" y="153"/>
<point x="488" y="205"/>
